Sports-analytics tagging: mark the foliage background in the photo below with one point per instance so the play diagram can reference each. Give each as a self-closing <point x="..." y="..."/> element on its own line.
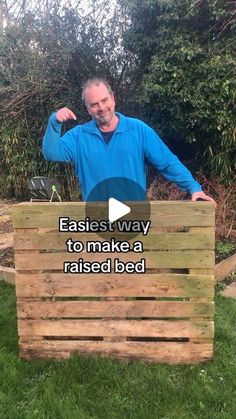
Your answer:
<point x="171" y="63"/>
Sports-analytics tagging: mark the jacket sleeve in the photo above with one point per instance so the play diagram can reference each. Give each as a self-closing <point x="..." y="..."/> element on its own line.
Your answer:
<point x="56" y="147"/>
<point x="170" y="167"/>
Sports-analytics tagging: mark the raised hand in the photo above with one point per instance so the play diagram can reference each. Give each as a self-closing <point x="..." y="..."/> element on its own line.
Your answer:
<point x="64" y="114"/>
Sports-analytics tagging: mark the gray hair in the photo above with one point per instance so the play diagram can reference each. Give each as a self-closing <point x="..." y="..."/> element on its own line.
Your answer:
<point x="95" y="82"/>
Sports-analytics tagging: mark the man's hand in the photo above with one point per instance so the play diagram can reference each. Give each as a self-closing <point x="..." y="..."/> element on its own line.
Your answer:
<point x="64" y="114"/>
<point x="203" y="196"/>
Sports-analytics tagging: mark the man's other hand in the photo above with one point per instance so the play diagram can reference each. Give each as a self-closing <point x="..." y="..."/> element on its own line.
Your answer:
<point x="202" y="196"/>
<point x="64" y="114"/>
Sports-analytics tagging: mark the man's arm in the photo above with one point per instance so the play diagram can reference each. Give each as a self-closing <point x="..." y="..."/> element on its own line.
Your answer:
<point x="159" y="155"/>
<point x="55" y="147"/>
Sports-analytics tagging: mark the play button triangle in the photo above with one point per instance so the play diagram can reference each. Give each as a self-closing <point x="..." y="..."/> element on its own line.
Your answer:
<point x="116" y="210"/>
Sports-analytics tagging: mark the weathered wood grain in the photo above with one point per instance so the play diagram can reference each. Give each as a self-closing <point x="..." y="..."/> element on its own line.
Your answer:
<point x="98" y="318"/>
<point x="136" y="308"/>
<point x="125" y="285"/>
<point x="171" y="213"/>
<point x="138" y="328"/>
<point x="154" y="260"/>
<point x="168" y="352"/>
<point x="167" y="241"/>
<point x="200" y="270"/>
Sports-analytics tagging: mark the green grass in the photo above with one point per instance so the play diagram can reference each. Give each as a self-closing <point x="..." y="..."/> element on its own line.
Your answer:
<point x="85" y="388"/>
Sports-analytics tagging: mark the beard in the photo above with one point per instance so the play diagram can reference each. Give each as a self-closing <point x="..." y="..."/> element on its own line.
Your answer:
<point x="105" y="118"/>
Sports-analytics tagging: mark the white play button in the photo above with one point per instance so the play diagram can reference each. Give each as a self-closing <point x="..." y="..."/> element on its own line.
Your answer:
<point x="117" y="210"/>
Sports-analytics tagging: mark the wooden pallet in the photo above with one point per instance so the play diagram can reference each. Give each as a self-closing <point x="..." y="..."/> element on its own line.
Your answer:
<point x="163" y="315"/>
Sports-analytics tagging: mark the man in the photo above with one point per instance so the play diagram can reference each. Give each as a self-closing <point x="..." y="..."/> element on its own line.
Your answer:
<point x="112" y="145"/>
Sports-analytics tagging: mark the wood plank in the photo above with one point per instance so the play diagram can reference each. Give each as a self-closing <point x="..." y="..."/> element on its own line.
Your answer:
<point x="202" y="269"/>
<point x="136" y="308"/>
<point x="199" y="270"/>
<point x="124" y="285"/>
<point x="132" y="328"/>
<point x="158" y="241"/>
<point x="162" y="220"/>
<point x="154" y="260"/>
<point x="169" y="352"/>
<point x="171" y="213"/>
<point x="78" y="208"/>
<point x="117" y="317"/>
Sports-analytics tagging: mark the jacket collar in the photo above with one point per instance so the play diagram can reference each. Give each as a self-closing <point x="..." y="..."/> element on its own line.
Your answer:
<point x="123" y="125"/>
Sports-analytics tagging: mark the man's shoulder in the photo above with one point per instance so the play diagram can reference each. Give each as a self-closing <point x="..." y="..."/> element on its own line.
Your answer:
<point x="81" y="128"/>
<point x="88" y="127"/>
<point x="89" y="124"/>
<point x="133" y="122"/>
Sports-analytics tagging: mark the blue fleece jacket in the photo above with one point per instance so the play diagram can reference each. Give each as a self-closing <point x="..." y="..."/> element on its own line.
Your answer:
<point x="132" y="145"/>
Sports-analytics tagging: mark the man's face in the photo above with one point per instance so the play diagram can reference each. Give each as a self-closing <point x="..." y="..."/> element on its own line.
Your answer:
<point x="100" y="104"/>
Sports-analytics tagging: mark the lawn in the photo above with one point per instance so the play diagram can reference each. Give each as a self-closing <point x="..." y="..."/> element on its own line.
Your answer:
<point x="86" y="388"/>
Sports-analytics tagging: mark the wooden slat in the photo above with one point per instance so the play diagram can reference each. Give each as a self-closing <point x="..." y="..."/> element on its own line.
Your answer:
<point x="125" y="285"/>
<point x="169" y="213"/>
<point x="199" y="270"/>
<point x="154" y="260"/>
<point x="77" y="209"/>
<point x="164" y="241"/>
<point x="202" y="269"/>
<point x="171" y="352"/>
<point x="138" y="328"/>
<point x="63" y="309"/>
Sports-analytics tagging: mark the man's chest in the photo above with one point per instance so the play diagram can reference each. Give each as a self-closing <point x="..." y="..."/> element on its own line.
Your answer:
<point x="120" y="148"/>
